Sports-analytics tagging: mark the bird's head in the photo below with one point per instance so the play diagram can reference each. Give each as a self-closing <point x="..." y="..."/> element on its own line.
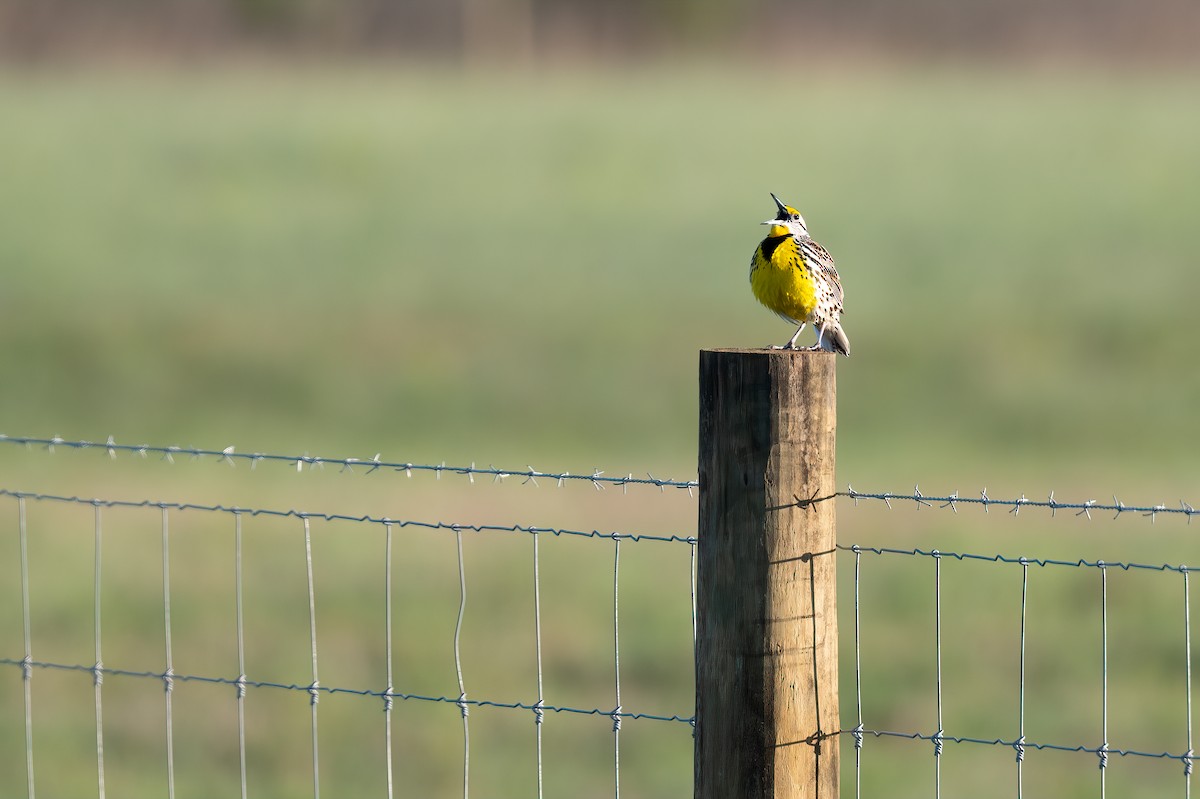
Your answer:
<point x="787" y="222"/>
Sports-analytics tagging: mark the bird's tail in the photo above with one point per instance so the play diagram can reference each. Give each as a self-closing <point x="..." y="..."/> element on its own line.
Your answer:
<point x="833" y="339"/>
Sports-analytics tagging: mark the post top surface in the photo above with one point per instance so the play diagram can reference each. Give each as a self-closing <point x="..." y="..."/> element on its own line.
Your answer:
<point x="768" y="351"/>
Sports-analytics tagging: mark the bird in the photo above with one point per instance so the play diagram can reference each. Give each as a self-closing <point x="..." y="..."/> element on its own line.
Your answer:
<point x="794" y="276"/>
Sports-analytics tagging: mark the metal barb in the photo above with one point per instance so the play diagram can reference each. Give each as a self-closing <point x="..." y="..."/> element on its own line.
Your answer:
<point x="806" y="504"/>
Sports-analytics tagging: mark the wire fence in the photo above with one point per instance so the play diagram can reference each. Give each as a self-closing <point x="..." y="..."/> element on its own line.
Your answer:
<point x="1019" y="743"/>
<point x="868" y="666"/>
<point x="241" y="682"/>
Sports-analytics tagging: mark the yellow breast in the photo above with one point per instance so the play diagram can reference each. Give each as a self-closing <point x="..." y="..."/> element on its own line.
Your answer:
<point x="781" y="281"/>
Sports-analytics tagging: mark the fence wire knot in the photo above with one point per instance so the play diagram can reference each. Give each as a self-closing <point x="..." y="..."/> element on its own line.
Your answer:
<point x="815" y="739"/>
<point x="857" y="732"/>
<point x="240" y="684"/>
<point x="388" y="700"/>
<point x="98" y="674"/>
<point x="314" y="692"/>
<point x="1019" y="745"/>
<point x="168" y="679"/>
<point x="27" y="668"/>
<point x="462" y="704"/>
<point x="616" y="717"/>
<point x="1187" y="763"/>
<point x="539" y="714"/>
<point x="937" y="743"/>
<point x="1102" y="752"/>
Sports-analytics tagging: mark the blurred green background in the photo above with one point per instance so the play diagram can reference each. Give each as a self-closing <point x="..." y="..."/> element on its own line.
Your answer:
<point x="499" y="233"/>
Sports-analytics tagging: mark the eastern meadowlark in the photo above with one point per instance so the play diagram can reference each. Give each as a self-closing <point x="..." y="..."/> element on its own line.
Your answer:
<point x="795" y="277"/>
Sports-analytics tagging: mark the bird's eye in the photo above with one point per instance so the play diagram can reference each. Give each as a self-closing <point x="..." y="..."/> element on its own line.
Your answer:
<point x="795" y="217"/>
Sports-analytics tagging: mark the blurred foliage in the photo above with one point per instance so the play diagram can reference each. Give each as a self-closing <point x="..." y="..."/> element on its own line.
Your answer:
<point x="515" y="30"/>
<point x="442" y="266"/>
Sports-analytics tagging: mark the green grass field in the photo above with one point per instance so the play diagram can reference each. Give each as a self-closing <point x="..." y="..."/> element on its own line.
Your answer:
<point x="520" y="270"/>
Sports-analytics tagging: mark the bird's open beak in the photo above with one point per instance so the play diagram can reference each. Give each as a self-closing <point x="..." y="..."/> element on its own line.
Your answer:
<point x="779" y="204"/>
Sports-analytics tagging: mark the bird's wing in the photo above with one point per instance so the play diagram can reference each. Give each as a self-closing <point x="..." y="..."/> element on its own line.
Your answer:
<point x="821" y="262"/>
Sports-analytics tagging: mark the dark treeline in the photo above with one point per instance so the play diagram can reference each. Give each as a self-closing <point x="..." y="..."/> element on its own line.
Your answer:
<point x="529" y="29"/>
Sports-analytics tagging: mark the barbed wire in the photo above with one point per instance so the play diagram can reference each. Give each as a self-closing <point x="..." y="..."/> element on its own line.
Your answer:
<point x="245" y="682"/>
<point x="332" y="517"/>
<point x="597" y="478"/>
<point x="1080" y="563"/>
<point x="1014" y="506"/>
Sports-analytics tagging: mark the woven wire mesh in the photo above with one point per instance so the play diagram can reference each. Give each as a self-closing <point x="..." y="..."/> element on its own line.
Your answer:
<point x="1069" y="673"/>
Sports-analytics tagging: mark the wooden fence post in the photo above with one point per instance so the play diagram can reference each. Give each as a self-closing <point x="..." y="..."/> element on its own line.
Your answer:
<point x="766" y="669"/>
